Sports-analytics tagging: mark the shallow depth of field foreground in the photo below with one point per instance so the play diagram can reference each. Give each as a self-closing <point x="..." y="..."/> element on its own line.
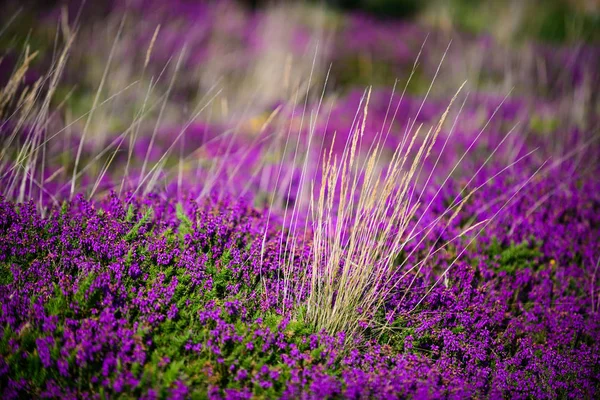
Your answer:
<point x="212" y="200"/>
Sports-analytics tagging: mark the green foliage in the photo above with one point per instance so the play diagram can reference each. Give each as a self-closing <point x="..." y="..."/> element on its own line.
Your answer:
<point x="393" y="334"/>
<point x="25" y="361"/>
<point x="130" y="213"/>
<point x="6" y="275"/>
<point x="57" y="304"/>
<point x="185" y="224"/>
<point x="221" y="278"/>
<point x="515" y="256"/>
<point x="458" y="329"/>
<point x="556" y="21"/>
<point x="542" y="125"/>
<point x="134" y="231"/>
<point x="83" y="296"/>
<point x="559" y="21"/>
<point x="298" y="329"/>
<point x="170" y="338"/>
<point x="272" y="321"/>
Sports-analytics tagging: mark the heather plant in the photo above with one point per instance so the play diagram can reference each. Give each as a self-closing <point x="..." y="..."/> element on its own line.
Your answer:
<point x="159" y="241"/>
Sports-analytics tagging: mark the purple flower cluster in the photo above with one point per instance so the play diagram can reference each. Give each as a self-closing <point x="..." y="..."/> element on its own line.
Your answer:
<point x="196" y="285"/>
<point x="154" y="299"/>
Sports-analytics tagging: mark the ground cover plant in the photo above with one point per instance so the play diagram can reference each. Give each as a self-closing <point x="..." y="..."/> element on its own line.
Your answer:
<point x="203" y="201"/>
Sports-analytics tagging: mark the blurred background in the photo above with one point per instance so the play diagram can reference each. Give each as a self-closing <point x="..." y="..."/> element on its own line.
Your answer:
<point x="241" y="63"/>
<point x="258" y="52"/>
<point x="547" y="20"/>
<point x="515" y="20"/>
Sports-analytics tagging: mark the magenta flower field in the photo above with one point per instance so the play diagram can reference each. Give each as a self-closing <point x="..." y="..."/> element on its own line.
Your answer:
<point x="204" y="200"/>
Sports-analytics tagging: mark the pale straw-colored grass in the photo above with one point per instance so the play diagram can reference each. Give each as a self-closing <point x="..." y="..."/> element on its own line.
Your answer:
<point x="356" y="240"/>
<point x="361" y="216"/>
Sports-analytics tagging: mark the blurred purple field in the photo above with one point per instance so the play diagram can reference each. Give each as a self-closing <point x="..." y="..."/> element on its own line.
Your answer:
<point x="203" y="200"/>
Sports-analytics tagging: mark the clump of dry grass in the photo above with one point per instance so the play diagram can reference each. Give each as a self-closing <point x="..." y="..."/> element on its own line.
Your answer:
<point x="361" y="221"/>
<point x="365" y="214"/>
<point x="28" y="109"/>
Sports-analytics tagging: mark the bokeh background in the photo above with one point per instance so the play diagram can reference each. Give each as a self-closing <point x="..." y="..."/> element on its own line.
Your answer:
<point x="147" y="113"/>
<point x="245" y="60"/>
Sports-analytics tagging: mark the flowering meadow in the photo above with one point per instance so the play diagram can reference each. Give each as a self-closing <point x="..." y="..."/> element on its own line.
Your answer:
<point x="199" y="200"/>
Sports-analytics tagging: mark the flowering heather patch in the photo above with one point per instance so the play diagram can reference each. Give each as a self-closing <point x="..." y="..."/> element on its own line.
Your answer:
<point x="379" y="243"/>
<point x="155" y="299"/>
